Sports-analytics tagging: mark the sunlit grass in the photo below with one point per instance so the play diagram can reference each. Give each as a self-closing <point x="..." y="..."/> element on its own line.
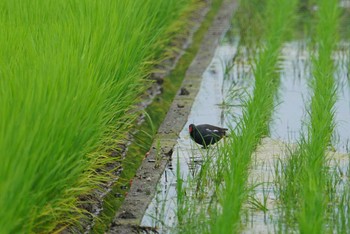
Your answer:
<point x="70" y="72"/>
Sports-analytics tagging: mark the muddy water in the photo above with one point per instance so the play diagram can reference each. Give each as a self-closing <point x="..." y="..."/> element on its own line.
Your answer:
<point x="287" y="126"/>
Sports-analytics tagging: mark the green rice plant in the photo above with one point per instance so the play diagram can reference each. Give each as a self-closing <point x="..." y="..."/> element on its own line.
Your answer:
<point x="249" y="14"/>
<point x="198" y="193"/>
<point x="306" y="192"/>
<point x="254" y="202"/>
<point x="219" y="211"/>
<point x="339" y="197"/>
<point x="341" y="202"/>
<point x="305" y="19"/>
<point x="70" y="74"/>
<point x="314" y="199"/>
<point x="156" y="112"/>
<point x="285" y="172"/>
<point x="344" y="22"/>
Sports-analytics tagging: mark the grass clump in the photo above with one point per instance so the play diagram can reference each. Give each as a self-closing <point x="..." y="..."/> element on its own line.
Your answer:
<point x="71" y="72"/>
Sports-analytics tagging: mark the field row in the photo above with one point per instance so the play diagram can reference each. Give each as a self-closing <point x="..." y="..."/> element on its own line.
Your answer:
<point x="310" y="192"/>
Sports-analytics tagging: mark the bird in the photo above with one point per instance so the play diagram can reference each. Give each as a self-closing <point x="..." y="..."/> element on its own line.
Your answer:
<point x="206" y="134"/>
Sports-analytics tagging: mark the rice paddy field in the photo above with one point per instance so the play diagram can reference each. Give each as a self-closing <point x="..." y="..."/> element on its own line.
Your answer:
<point x="72" y="77"/>
<point x="71" y="74"/>
<point x="281" y="80"/>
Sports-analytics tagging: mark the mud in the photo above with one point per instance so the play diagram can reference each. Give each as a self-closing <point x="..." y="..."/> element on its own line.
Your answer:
<point x="143" y="188"/>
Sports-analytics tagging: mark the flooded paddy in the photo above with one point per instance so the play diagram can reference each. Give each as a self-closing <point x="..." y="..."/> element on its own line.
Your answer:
<point x="301" y="160"/>
<point x="206" y="109"/>
<point x="280" y="84"/>
<point x="291" y="113"/>
<point x="215" y="105"/>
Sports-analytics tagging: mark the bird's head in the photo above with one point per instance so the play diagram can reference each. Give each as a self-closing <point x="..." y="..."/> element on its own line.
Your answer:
<point x="190" y="128"/>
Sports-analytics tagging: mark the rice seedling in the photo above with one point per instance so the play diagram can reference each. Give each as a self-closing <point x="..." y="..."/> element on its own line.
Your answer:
<point x="71" y="72"/>
<point x="312" y="190"/>
<point x="307" y="191"/>
<point x="249" y="14"/>
<point x="219" y="211"/>
<point x="156" y="112"/>
<point x="340" y="212"/>
<point x="256" y="117"/>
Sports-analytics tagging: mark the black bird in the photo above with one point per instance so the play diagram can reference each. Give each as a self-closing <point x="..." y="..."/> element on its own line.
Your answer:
<point x="206" y="134"/>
